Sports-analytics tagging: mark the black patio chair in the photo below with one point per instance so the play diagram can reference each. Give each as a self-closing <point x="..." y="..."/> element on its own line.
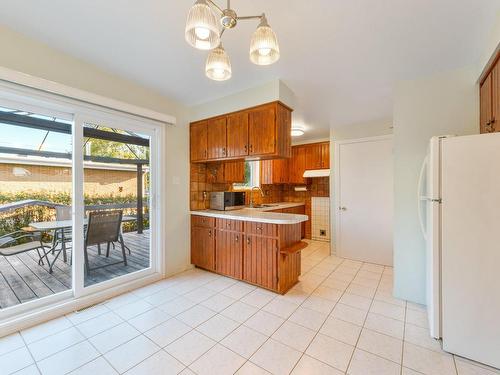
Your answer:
<point x="103" y="227"/>
<point x="21" y="241"/>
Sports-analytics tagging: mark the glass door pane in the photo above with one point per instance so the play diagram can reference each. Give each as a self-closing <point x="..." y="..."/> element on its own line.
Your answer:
<point x="116" y="197"/>
<point x="35" y="206"/>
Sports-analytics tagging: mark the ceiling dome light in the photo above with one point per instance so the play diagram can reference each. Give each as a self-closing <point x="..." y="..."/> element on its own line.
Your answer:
<point x="297" y="131"/>
<point x="218" y="66"/>
<point x="202" y="27"/>
<point x="264" y="49"/>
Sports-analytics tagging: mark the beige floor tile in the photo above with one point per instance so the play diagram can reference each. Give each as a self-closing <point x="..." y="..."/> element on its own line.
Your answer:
<point x="15" y="360"/>
<point x="244" y="341"/>
<point x="131" y="353"/>
<point x="407" y="371"/>
<point x="353" y="300"/>
<point x="363" y="363"/>
<point x="195" y="315"/>
<point x="149" y="319"/>
<point x="161" y="297"/>
<point x="388" y="298"/>
<point x="68" y="360"/>
<point x="294" y="335"/>
<point x="251" y="369"/>
<point x="360" y="290"/>
<point x="258" y="298"/>
<point x="418" y="318"/>
<point x="177" y="306"/>
<point x="99" y="324"/>
<point x="167" y="332"/>
<point x="220" y="284"/>
<point x="160" y="363"/>
<point x="382" y="345"/>
<point x="427" y="361"/>
<point x="308" y="318"/>
<point x="421" y="336"/>
<point x="335" y="284"/>
<point x="382" y="324"/>
<point x="310" y="366"/>
<point x="218" y="361"/>
<point x="217" y="327"/>
<point x="43" y="330"/>
<point x="238" y="290"/>
<point x="319" y="304"/>
<point x="200" y="294"/>
<point x="349" y="314"/>
<point x="264" y="322"/>
<point x="341" y="330"/>
<point x="276" y="358"/>
<point x="330" y="351"/>
<point x="55" y="343"/>
<point x="133" y="309"/>
<point x="190" y="347"/>
<point x="218" y="302"/>
<point x="98" y="366"/>
<point x="280" y="308"/>
<point x="328" y="293"/>
<point x="239" y="311"/>
<point x="116" y="336"/>
<point x="11" y="343"/>
<point x="388" y="310"/>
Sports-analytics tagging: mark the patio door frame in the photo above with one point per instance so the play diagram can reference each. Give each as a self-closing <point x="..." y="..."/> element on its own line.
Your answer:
<point x="122" y="122"/>
<point x="30" y="99"/>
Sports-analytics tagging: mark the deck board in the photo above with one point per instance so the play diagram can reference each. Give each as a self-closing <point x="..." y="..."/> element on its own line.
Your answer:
<point x="22" y="279"/>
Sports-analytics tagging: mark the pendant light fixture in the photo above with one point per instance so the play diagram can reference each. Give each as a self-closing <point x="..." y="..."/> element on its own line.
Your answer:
<point x="204" y="29"/>
<point x="218" y="66"/>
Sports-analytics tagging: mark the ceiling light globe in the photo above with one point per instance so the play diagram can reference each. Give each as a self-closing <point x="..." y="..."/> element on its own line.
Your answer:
<point x="218" y="66"/>
<point x="202" y="27"/>
<point x="297" y="132"/>
<point x="264" y="48"/>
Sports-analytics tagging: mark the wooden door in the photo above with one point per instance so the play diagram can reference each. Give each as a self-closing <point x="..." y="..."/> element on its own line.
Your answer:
<point x="198" y="140"/>
<point x="495" y="97"/>
<point x="234" y="171"/>
<point x="229" y="253"/>
<point x="216" y="139"/>
<point x="262" y="131"/>
<point x="325" y="155"/>
<point x="313" y="156"/>
<point x="237" y="134"/>
<point x="203" y="247"/>
<point x="485" y="108"/>
<point x="298" y="165"/>
<point x="260" y="261"/>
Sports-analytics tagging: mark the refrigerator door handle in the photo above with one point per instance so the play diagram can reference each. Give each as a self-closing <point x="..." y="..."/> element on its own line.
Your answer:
<point x="421" y="198"/>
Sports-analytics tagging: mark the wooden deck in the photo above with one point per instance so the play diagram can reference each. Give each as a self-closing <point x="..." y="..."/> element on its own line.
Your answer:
<point x="22" y="279"/>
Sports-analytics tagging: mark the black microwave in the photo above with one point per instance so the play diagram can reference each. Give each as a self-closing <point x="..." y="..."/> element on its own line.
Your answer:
<point x="227" y="200"/>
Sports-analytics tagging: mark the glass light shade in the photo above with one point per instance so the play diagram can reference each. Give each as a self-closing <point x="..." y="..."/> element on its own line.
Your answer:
<point x="202" y="27"/>
<point x="297" y="132"/>
<point x="264" y="48"/>
<point x="218" y="66"/>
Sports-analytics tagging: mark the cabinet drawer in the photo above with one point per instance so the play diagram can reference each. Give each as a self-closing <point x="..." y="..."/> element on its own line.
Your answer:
<point x="202" y="221"/>
<point x="228" y="224"/>
<point x="261" y="229"/>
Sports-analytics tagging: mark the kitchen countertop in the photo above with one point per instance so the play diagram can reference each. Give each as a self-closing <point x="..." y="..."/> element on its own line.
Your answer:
<point x="260" y="215"/>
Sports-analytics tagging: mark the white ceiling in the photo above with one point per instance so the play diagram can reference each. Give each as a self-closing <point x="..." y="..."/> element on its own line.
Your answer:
<point x="340" y="57"/>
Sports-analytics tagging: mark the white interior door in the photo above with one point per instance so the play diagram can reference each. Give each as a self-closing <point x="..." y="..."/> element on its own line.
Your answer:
<point x="365" y="200"/>
<point x="471" y="247"/>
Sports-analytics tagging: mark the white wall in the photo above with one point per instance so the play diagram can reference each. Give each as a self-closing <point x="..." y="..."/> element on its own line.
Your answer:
<point x="442" y="104"/>
<point x="34" y="58"/>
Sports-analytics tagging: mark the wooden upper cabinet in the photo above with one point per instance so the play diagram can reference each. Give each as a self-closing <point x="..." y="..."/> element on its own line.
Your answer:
<point x="485" y="111"/>
<point x="198" y="141"/>
<point x="313" y="156"/>
<point x="216" y="138"/>
<point x="234" y="171"/>
<point x="274" y="171"/>
<point x="325" y="155"/>
<point x="262" y="131"/>
<point x="297" y="165"/>
<point x="237" y="135"/>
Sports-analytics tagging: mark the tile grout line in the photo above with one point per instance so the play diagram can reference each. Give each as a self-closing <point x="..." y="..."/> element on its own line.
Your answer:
<point x="31" y="355"/>
<point x="404" y="336"/>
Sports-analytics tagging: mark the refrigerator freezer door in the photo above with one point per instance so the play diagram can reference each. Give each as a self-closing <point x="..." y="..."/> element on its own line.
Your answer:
<point x="470" y="221"/>
<point x="433" y="239"/>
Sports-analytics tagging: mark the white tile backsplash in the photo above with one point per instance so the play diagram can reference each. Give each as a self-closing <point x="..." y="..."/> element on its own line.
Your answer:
<point x="320" y="218"/>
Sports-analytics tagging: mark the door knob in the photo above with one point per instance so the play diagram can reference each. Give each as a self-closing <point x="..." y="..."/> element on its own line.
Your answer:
<point x="343" y="208"/>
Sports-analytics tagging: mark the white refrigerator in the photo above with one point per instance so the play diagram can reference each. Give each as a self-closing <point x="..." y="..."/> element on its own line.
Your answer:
<point x="459" y="209"/>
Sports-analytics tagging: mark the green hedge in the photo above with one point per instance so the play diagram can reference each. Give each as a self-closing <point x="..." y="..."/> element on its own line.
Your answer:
<point x="16" y="219"/>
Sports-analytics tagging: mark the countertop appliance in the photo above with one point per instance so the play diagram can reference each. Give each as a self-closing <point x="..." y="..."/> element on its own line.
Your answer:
<point x="459" y="209"/>
<point x="227" y="200"/>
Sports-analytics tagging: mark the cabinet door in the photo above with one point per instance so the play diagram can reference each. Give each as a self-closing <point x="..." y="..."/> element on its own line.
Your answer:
<point x="313" y="156"/>
<point x="229" y="253"/>
<point x="298" y="165"/>
<point x="198" y="141"/>
<point x="325" y="155"/>
<point x="262" y="131"/>
<point x="203" y="247"/>
<point x="237" y="134"/>
<point x="234" y="171"/>
<point x="495" y="97"/>
<point x="260" y="261"/>
<point x="485" y="108"/>
<point x="215" y="173"/>
<point x="216" y="138"/>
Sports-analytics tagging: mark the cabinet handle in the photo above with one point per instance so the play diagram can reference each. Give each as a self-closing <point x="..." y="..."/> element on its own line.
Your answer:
<point x="259" y="228"/>
<point x="237" y="239"/>
<point x="210" y="233"/>
<point x="246" y="149"/>
<point x="248" y="241"/>
<point x="205" y="153"/>
<point x="251" y="148"/>
<point x="224" y="151"/>
<point x="229" y="225"/>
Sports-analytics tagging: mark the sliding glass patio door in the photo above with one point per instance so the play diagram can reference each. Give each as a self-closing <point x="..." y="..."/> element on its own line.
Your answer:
<point x="78" y="200"/>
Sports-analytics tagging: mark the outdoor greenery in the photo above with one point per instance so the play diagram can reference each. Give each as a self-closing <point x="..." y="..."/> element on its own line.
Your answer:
<point x="17" y="219"/>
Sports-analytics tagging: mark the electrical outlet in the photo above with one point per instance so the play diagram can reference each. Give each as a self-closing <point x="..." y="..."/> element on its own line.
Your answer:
<point x="322" y="232"/>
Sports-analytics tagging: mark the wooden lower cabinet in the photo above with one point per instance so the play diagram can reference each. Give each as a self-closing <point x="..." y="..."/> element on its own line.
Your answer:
<point x="203" y="247"/>
<point x="229" y="253"/>
<point x="267" y="255"/>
